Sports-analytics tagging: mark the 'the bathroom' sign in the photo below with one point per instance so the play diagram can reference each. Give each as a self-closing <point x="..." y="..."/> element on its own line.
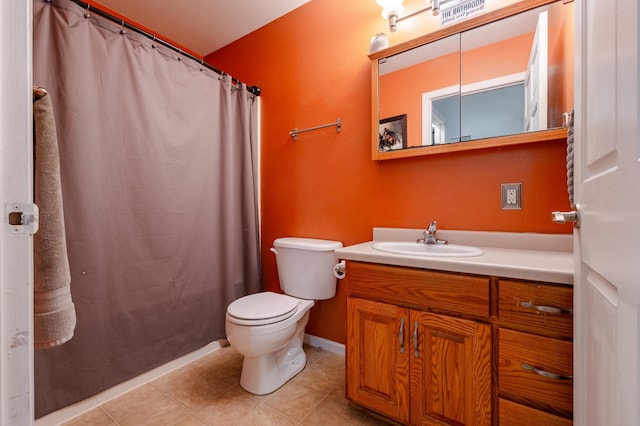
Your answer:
<point x="461" y="11"/>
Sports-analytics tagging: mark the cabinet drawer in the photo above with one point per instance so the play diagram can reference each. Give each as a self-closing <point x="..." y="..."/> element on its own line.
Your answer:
<point x="419" y="288"/>
<point x="540" y="308"/>
<point x="513" y="414"/>
<point x="519" y="354"/>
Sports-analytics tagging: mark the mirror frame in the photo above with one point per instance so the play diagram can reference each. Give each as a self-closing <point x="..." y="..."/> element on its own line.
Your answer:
<point x="516" y="139"/>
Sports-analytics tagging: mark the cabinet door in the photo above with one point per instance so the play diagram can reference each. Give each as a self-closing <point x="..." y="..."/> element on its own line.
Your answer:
<point x="378" y="357"/>
<point x="450" y="370"/>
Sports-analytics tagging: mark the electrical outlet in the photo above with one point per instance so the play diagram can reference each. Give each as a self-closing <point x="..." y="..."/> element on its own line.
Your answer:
<point x="511" y="196"/>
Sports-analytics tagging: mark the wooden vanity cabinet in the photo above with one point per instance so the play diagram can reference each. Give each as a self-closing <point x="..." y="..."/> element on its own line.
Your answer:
<point x="417" y="350"/>
<point x="429" y="347"/>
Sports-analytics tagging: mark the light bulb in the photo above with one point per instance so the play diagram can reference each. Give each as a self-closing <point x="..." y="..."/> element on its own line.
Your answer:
<point x="391" y="7"/>
<point x="435" y="7"/>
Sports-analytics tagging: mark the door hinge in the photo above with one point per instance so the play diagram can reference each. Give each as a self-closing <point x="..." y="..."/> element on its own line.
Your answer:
<point x="23" y="218"/>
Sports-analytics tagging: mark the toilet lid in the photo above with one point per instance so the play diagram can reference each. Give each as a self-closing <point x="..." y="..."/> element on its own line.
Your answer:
<point x="262" y="308"/>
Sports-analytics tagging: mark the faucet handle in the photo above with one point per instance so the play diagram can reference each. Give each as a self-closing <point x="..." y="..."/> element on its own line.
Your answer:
<point x="433" y="227"/>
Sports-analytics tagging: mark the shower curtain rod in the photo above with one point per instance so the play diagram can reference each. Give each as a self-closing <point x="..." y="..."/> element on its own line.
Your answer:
<point x="254" y="90"/>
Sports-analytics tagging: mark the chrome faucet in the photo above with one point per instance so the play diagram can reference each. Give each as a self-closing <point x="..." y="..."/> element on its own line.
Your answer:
<point x="430" y="235"/>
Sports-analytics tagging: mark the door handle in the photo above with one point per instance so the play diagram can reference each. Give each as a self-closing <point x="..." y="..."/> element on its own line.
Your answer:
<point x="564" y="217"/>
<point x="416" y="352"/>
<point x="401" y="335"/>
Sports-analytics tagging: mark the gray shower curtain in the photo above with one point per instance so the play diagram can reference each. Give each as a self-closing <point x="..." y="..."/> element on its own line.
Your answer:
<point x="159" y="180"/>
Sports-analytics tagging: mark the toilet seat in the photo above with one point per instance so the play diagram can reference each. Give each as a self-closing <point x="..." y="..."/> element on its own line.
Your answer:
<point x="262" y="308"/>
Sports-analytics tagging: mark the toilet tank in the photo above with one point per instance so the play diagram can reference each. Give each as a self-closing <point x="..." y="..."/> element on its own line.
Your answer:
<point x="305" y="267"/>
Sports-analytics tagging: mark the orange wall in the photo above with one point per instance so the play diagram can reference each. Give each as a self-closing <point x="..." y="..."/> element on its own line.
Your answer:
<point x="313" y="68"/>
<point x="401" y="91"/>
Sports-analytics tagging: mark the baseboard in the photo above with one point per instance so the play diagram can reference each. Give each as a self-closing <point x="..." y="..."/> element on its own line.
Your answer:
<point x="327" y="345"/>
<point x="67" y="413"/>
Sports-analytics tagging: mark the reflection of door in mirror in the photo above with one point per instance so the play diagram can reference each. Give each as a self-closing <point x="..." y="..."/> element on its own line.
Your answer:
<point x="494" y="70"/>
<point x="534" y="48"/>
<point x="535" y="83"/>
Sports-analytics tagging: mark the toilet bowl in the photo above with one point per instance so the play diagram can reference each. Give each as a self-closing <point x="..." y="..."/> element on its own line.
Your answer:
<point x="272" y="350"/>
<point x="268" y="328"/>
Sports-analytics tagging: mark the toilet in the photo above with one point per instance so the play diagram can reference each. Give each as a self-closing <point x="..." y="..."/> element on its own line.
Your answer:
<point x="267" y="328"/>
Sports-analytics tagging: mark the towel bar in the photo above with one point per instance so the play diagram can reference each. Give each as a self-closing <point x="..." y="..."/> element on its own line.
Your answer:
<point x="294" y="132"/>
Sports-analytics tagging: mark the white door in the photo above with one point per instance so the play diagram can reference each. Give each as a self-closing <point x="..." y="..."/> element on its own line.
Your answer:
<point x="535" y="83"/>
<point x="607" y="244"/>
<point x="16" y="189"/>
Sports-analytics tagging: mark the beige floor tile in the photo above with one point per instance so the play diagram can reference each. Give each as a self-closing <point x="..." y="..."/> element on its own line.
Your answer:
<point x="313" y="353"/>
<point x="338" y="393"/>
<point x="331" y="412"/>
<point x="229" y="408"/>
<point x="333" y="361"/>
<point x="95" y="417"/>
<point x="145" y="405"/>
<point x="295" y="400"/>
<point x="226" y="366"/>
<point x="265" y="416"/>
<point x="191" y="387"/>
<point x="168" y="413"/>
<point x="320" y="377"/>
<point x="191" y="420"/>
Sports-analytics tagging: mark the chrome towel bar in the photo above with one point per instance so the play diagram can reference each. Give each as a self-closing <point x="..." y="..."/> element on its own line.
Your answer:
<point x="294" y="132"/>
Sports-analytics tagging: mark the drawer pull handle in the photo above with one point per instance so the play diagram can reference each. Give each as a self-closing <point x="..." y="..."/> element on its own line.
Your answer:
<point x="546" y="309"/>
<point x="401" y="337"/>
<point x="416" y="353"/>
<point x="544" y="373"/>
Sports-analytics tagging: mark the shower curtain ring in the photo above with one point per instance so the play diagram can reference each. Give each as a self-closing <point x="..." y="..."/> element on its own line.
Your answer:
<point x="180" y="52"/>
<point x="123" y="31"/>
<point x="87" y="15"/>
<point x="153" y="42"/>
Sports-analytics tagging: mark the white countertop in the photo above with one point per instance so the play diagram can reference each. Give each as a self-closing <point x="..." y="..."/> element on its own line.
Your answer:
<point x="538" y="257"/>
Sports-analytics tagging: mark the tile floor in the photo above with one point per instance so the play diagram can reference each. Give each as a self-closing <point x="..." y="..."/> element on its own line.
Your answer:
<point x="207" y="392"/>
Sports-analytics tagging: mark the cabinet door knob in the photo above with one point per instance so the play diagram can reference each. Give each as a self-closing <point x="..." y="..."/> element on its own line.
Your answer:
<point x="401" y="337"/>
<point x="544" y="373"/>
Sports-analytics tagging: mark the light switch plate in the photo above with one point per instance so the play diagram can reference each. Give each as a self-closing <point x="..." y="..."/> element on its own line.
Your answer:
<point x="511" y="196"/>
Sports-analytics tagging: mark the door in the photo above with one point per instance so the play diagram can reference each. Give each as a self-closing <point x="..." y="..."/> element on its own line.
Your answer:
<point x="607" y="243"/>
<point x="450" y="370"/>
<point x="378" y="357"/>
<point x="16" y="189"/>
<point x="535" y="83"/>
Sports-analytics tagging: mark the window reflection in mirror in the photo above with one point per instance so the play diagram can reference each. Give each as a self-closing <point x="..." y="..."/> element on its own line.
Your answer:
<point x="507" y="77"/>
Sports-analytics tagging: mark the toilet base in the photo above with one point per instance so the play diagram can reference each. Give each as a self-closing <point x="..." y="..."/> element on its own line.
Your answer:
<point x="264" y="374"/>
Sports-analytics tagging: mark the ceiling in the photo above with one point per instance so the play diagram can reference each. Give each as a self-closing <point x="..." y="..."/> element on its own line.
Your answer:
<point x="202" y="26"/>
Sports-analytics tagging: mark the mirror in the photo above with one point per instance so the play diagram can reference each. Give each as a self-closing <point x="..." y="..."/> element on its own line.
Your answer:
<point x="502" y="78"/>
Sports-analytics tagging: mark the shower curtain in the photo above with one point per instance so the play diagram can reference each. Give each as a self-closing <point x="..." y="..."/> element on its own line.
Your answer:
<point x="159" y="179"/>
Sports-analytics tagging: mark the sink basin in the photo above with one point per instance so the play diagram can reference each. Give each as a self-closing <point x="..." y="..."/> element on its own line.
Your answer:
<point x="427" y="250"/>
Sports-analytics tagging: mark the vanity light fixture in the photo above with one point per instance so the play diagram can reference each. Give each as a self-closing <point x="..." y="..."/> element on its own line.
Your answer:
<point x="392" y="9"/>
